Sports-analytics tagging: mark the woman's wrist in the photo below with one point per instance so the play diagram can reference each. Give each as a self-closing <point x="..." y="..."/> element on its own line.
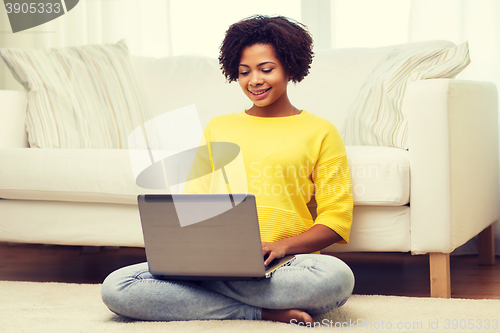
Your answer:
<point x="283" y="244"/>
<point x="312" y="240"/>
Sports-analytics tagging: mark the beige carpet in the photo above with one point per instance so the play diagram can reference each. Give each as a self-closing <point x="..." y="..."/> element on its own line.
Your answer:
<point x="58" y="307"/>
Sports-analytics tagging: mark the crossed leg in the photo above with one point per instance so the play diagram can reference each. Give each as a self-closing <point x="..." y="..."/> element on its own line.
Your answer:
<point x="312" y="284"/>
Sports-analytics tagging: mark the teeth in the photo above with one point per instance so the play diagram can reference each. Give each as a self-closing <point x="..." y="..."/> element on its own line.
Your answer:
<point x="259" y="93"/>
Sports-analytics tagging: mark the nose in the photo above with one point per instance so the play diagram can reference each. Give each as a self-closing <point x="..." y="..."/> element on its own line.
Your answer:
<point x="255" y="79"/>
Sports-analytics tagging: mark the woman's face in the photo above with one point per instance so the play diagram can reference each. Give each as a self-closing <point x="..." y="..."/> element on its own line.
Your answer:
<point x="262" y="76"/>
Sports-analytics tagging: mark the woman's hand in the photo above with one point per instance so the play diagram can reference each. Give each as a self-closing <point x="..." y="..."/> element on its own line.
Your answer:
<point x="312" y="240"/>
<point x="275" y="250"/>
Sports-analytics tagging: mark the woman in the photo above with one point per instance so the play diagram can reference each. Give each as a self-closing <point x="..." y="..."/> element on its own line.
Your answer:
<point x="289" y="155"/>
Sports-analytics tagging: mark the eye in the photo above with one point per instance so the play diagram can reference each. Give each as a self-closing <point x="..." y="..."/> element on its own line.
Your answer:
<point x="267" y="70"/>
<point x="243" y="73"/>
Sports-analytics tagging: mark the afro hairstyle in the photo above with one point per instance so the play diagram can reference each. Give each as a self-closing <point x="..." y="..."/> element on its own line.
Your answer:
<point x="290" y="39"/>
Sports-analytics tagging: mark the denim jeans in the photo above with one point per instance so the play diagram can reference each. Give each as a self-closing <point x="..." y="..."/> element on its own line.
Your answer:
<point x="314" y="283"/>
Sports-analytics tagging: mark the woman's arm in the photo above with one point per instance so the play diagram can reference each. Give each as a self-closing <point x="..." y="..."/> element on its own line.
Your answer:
<point x="312" y="240"/>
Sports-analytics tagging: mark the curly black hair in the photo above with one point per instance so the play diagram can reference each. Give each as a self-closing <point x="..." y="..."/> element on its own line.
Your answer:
<point x="290" y="39"/>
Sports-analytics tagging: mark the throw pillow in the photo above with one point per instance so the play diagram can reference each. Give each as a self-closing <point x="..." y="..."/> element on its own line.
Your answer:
<point x="378" y="115"/>
<point x="79" y="97"/>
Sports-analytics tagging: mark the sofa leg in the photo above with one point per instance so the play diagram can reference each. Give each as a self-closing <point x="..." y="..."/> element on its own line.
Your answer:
<point x="486" y="246"/>
<point x="440" y="275"/>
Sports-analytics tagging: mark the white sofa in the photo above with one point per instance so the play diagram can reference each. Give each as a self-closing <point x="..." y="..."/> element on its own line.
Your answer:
<point x="430" y="199"/>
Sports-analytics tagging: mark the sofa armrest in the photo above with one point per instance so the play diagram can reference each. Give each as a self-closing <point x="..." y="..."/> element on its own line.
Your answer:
<point x="12" y="119"/>
<point x="453" y="132"/>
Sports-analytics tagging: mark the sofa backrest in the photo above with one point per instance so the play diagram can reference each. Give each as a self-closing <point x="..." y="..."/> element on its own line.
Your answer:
<point x="173" y="82"/>
<point x="331" y="87"/>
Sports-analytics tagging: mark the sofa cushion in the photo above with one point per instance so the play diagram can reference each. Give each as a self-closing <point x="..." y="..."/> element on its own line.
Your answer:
<point x="380" y="175"/>
<point x="79" y="97"/>
<point x="378" y="116"/>
<point x="81" y="175"/>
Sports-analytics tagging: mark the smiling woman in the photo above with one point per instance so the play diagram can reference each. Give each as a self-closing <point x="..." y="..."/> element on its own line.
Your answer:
<point x="264" y="53"/>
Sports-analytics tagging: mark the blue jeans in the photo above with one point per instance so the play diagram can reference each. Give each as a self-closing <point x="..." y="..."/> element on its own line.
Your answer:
<point x="314" y="283"/>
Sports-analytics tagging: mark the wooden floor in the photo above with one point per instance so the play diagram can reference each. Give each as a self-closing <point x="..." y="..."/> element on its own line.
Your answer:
<point x="399" y="274"/>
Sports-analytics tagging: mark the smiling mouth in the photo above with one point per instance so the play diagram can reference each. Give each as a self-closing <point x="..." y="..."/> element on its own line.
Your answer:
<point x="260" y="92"/>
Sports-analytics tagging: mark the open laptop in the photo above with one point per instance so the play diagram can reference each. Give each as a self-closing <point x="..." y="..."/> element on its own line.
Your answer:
<point x="226" y="246"/>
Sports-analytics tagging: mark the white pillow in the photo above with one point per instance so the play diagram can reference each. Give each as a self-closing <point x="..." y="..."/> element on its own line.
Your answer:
<point x="79" y="97"/>
<point x="378" y="116"/>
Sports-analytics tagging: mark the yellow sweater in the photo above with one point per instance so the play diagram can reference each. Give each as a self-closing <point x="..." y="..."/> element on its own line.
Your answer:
<point x="285" y="161"/>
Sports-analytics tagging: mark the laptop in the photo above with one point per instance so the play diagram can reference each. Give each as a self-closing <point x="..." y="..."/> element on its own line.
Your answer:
<point x="204" y="237"/>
